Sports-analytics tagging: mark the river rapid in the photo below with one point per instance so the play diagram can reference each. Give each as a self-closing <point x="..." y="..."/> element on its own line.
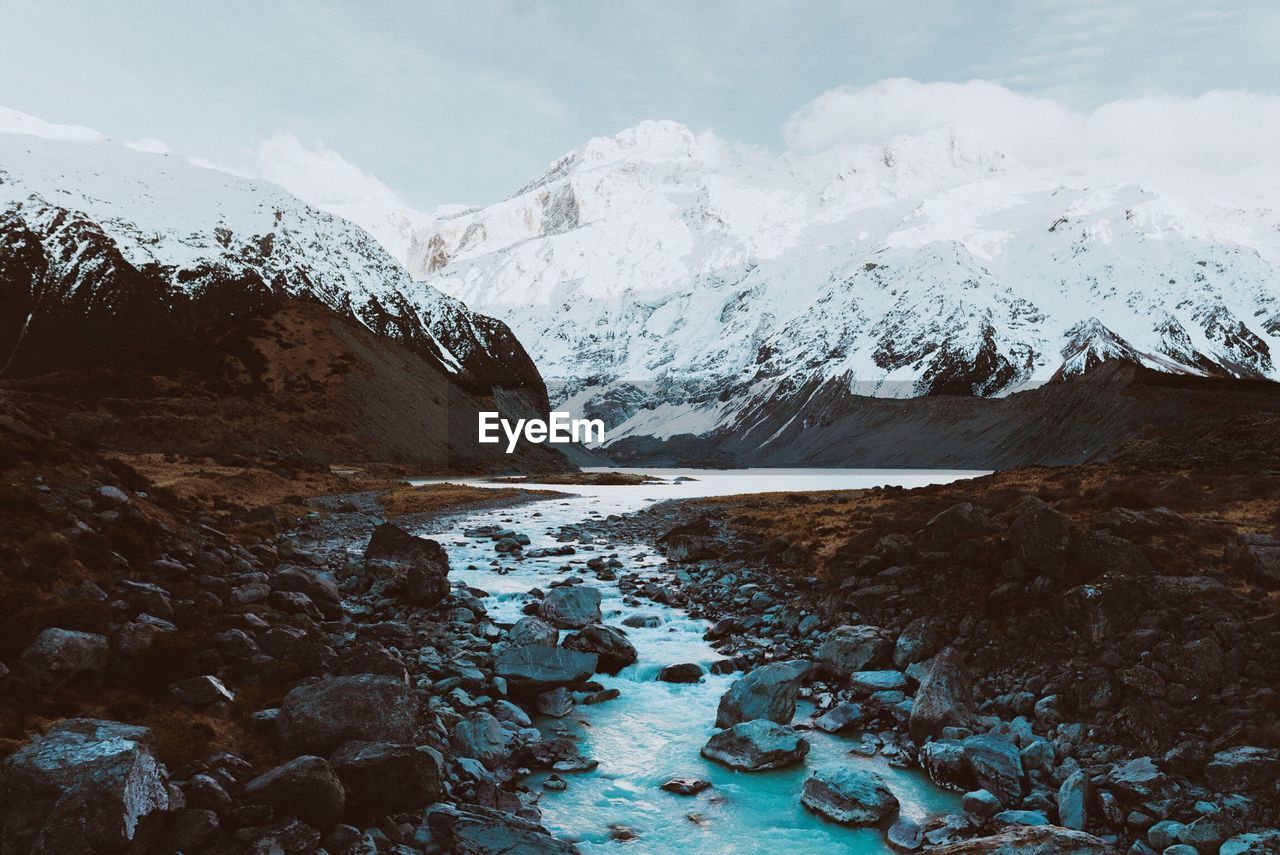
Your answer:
<point x="654" y="730"/>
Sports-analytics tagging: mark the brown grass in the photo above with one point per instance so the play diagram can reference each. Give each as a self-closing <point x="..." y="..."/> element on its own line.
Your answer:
<point x="433" y="498"/>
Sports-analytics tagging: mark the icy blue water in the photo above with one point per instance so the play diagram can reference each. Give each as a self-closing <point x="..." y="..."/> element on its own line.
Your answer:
<point x="654" y="730"/>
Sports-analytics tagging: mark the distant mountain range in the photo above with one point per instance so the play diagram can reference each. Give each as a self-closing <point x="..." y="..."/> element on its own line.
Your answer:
<point x="675" y="284"/>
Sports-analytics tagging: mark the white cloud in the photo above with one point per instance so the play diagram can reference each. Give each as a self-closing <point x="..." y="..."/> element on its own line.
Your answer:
<point x="149" y="145"/>
<point x="1220" y="131"/>
<point x="17" y="122"/>
<point x="318" y="174"/>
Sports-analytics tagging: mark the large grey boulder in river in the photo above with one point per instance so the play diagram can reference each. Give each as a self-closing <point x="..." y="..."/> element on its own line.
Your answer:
<point x="571" y="607"/>
<point x="848" y="795"/>
<point x="768" y="692"/>
<point x="945" y="697"/>
<point x="755" y="745"/>
<point x="531" y="669"/>
<point x="87" y="785"/>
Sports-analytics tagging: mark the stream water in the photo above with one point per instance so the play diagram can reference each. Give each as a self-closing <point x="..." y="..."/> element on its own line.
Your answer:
<point x="654" y="730"/>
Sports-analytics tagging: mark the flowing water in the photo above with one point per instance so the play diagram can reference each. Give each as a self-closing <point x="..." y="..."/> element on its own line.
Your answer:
<point x="654" y="731"/>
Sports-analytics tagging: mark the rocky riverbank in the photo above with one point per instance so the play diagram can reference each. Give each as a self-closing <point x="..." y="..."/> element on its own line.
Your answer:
<point x="1089" y="653"/>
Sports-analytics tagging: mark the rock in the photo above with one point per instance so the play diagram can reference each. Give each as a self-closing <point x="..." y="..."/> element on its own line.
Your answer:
<point x="111" y="497"/>
<point x="681" y="672"/>
<point x="1073" y="801"/>
<point x="384" y="777"/>
<point x="289" y="837"/>
<point x="755" y="745"/>
<point x="612" y="648"/>
<point x="847" y="649"/>
<point x="981" y="804"/>
<point x="642" y="621"/>
<point x="996" y="766"/>
<point x="201" y="691"/>
<point x="945" y="697"/>
<point x="905" y="834"/>
<point x="1242" y="768"/>
<point x="849" y="796"/>
<point x="507" y="712"/>
<point x="1040" y="539"/>
<point x="1181" y="849"/>
<point x="956" y="523"/>
<point x="1019" y="817"/>
<point x="531" y="669"/>
<point x="1164" y="834"/>
<point x="482" y="737"/>
<point x="65" y="652"/>
<point x="250" y="593"/>
<point x="1209" y="832"/>
<point x="1257" y="843"/>
<point x="533" y="630"/>
<point x="305" y="787"/>
<point x="87" y="785"/>
<point x="571" y="606"/>
<point x="508" y="544"/>
<point x="686" y="786"/>
<point x="944" y="761"/>
<point x="1031" y="840"/>
<point x="1141" y="780"/>
<point x="427" y="580"/>
<point x="686" y="548"/>
<point x="138" y="636"/>
<point x="319" y="588"/>
<point x="867" y="682"/>
<point x="768" y="692"/>
<point x="841" y="717"/>
<point x="1037" y="755"/>
<point x="318" y="717"/>
<point x="556" y="703"/>
<point x="189" y="829"/>
<point x="475" y="830"/>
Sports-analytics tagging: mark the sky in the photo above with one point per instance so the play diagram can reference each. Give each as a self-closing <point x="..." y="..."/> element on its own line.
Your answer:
<point x="436" y="103"/>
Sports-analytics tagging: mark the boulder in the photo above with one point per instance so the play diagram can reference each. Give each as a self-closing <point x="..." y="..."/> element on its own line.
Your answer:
<point x="755" y="745"/>
<point x="687" y="548"/>
<point x="571" y="606"/>
<point x="905" y="835"/>
<point x="1141" y="780"/>
<point x="956" y="523"/>
<point x="427" y="581"/>
<point x="1039" y="537"/>
<point x="981" y="804"/>
<point x="1242" y="768"/>
<point x="1019" y="817"/>
<point x="87" y="785"/>
<point x="868" y="682"/>
<point x="319" y="588"/>
<point x="1031" y="840"/>
<point x="944" y="761"/>
<point x="918" y="642"/>
<point x="612" y="648"/>
<point x="686" y="786"/>
<point x="533" y="630"/>
<point x="1073" y="801"/>
<point x="475" y="830"/>
<point x="847" y="649"/>
<point x="387" y="778"/>
<point x="305" y="787"/>
<point x="996" y="766"/>
<point x="945" y="697"/>
<point x="681" y="672"/>
<point x="531" y="669"/>
<point x="841" y="717"/>
<point x="66" y="652"/>
<point x="318" y="717"/>
<point x="556" y="703"/>
<point x="849" y="795"/>
<point x="1254" y="843"/>
<point x="287" y="837"/>
<point x="482" y="737"/>
<point x="768" y="692"/>
<point x="189" y="829"/>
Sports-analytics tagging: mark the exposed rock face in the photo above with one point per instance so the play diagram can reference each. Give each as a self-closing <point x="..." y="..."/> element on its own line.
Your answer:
<point x="768" y="692"/>
<point x="755" y="745"/>
<point x="944" y="698"/>
<point x="320" y="716"/>
<point x="65" y="652"/>
<point x="305" y="787"/>
<point x="85" y="786"/>
<point x="535" y="668"/>
<point x="383" y="777"/>
<point x="475" y="830"/>
<point x="849" y="796"/>
<point x="1031" y="840"/>
<point x="854" y="648"/>
<point x="571" y="606"/>
<point x="610" y="644"/>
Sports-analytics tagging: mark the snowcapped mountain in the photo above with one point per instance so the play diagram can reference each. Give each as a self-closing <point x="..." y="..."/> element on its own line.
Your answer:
<point x="677" y="284"/>
<point x="92" y="225"/>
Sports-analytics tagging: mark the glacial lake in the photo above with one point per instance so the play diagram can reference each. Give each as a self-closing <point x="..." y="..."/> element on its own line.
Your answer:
<point x="654" y="730"/>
